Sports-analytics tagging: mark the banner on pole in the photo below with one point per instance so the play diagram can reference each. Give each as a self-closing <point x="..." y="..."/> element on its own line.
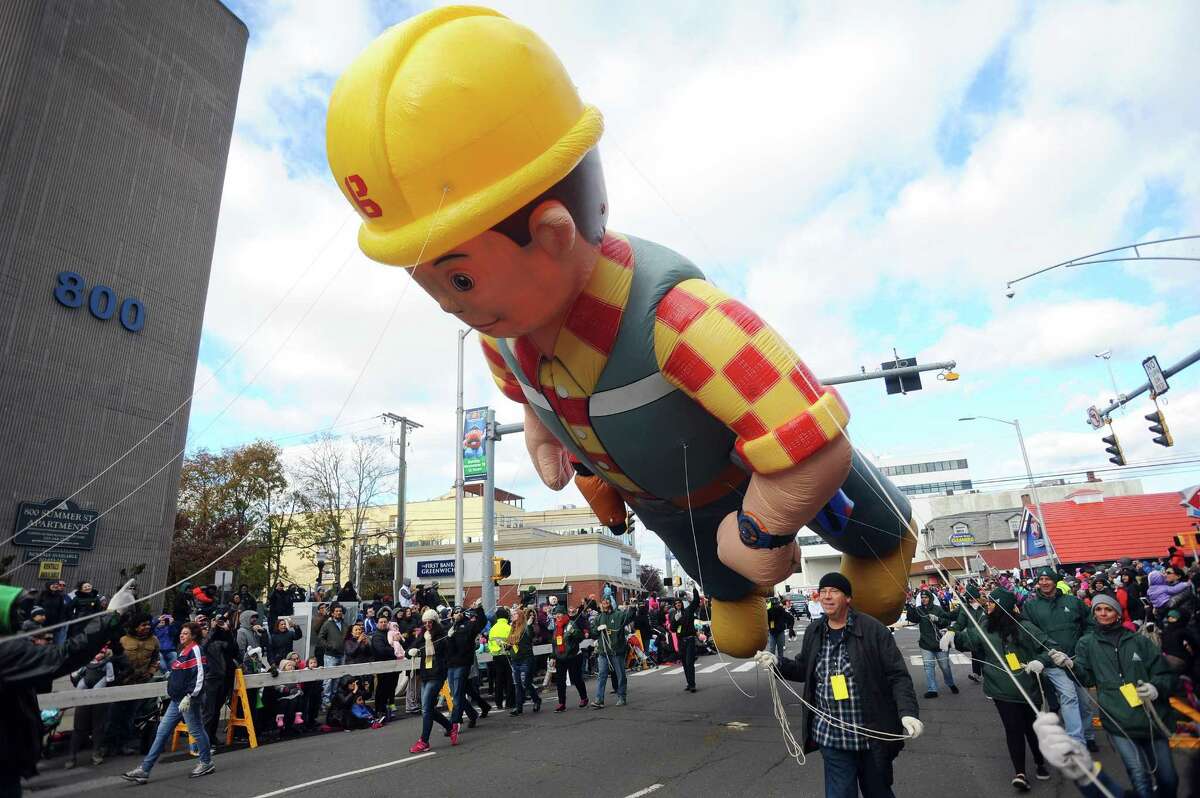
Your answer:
<point x="474" y="433"/>
<point x="1032" y="540"/>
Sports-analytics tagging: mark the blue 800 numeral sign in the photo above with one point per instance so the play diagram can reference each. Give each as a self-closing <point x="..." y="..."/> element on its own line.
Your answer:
<point x="72" y="292"/>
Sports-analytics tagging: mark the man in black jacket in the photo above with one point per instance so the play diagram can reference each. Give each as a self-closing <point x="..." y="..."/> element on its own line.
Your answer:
<point x="682" y="621"/>
<point x="279" y="603"/>
<point x="852" y="671"/>
<point x="221" y="660"/>
<point x="25" y="666"/>
<point x="463" y="635"/>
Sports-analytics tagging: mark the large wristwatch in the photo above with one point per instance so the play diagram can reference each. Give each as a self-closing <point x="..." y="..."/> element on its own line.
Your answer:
<point x="752" y="534"/>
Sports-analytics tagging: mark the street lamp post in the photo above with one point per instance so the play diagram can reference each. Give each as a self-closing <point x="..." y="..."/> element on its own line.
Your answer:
<point x="1037" y="501"/>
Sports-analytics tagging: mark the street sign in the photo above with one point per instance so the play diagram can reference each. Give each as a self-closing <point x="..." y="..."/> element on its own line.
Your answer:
<point x="223" y="579"/>
<point x="1191" y="500"/>
<point x="1094" y="417"/>
<point x="1154" y="375"/>
<point x="905" y="384"/>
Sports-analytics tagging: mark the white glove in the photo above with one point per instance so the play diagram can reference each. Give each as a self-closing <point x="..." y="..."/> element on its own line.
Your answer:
<point x="184" y="703"/>
<point x="947" y="640"/>
<point x="1034" y="666"/>
<point x="1060" y="750"/>
<point x="766" y="660"/>
<point x="1147" y="691"/>
<point x="414" y="652"/>
<point x="124" y="598"/>
<point x="602" y="627"/>
<point x="1061" y="660"/>
<point x="912" y="726"/>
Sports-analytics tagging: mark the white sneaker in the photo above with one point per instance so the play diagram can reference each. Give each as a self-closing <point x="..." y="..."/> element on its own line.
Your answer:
<point x="202" y="769"/>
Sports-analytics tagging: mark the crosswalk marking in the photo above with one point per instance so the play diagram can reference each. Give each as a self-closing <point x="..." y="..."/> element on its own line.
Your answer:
<point x="673" y="671"/>
<point x="745" y="666"/>
<point x="956" y="659"/>
<point x="716" y="666"/>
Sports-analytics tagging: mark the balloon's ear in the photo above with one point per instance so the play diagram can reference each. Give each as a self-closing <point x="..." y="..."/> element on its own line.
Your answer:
<point x="552" y="228"/>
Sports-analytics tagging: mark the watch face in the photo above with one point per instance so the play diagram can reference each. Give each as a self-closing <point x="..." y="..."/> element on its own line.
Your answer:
<point x="748" y="536"/>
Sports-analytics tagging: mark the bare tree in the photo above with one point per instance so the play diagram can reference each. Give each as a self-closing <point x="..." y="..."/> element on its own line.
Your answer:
<point x="364" y="472"/>
<point x="319" y="480"/>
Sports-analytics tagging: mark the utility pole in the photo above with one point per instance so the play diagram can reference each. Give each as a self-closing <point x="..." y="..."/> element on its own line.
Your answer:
<point x="460" y="595"/>
<point x="401" y="474"/>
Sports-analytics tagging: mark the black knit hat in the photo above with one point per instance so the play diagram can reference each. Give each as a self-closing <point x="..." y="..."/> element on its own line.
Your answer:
<point x="835" y="579"/>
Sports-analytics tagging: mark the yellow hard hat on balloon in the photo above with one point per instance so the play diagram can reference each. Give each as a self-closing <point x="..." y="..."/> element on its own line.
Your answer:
<point x="446" y="125"/>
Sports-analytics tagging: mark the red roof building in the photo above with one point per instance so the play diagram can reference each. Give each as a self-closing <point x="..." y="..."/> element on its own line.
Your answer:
<point x="999" y="559"/>
<point x="1091" y="528"/>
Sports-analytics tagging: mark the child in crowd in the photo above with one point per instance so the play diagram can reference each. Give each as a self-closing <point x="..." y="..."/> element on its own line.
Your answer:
<point x="289" y="700"/>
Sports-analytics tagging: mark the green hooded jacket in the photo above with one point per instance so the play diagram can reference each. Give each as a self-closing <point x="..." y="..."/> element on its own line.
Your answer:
<point x="931" y="621"/>
<point x="1101" y="664"/>
<point x="609" y="630"/>
<point x="996" y="683"/>
<point x="1062" y="618"/>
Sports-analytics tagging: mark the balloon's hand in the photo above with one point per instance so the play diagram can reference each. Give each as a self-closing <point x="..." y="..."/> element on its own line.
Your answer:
<point x="124" y="598"/>
<point x="548" y="456"/>
<point x="760" y="566"/>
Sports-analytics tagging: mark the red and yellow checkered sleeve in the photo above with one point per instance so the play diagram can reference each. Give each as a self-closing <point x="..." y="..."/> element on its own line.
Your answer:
<point x="500" y="371"/>
<point x="720" y="353"/>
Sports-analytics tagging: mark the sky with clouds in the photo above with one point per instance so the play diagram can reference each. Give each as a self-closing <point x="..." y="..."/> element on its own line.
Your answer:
<point x="865" y="177"/>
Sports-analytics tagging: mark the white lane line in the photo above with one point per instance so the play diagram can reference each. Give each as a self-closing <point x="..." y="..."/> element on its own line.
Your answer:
<point x="643" y="673"/>
<point x="348" y="774"/>
<point x="714" y="667"/>
<point x="745" y="666"/>
<point x="956" y="659"/>
<point x="673" y="671"/>
<point x="646" y="791"/>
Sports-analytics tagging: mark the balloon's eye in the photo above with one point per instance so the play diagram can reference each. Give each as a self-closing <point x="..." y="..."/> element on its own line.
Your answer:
<point x="462" y="282"/>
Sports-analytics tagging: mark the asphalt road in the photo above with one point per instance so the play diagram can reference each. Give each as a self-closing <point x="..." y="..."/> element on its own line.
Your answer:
<point x="665" y="742"/>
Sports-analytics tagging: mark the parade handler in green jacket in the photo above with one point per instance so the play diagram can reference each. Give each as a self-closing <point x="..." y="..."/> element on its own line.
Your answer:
<point x="1131" y="677"/>
<point x="931" y="621"/>
<point x="611" y="647"/>
<point x="969" y="607"/>
<point x="1024" y="654"/>
<point x="1064" y="619"/>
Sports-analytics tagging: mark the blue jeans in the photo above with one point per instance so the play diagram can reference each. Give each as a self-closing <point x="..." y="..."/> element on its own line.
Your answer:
<point x="1142" y="756"/>
<point x="942" y="660"/>
<point x="776" y="643"/>
<point x="616" y="664"/>
<point x="430" y="687"/>
<point x="458" y="683"/>
<point x="848" y="771"/>
<point x="1074" y="704"/>
<point x="523" y="682"/>
<point x="166" y="727"/>
<point x="330" y="661"/>
<point x="60" y="635"/>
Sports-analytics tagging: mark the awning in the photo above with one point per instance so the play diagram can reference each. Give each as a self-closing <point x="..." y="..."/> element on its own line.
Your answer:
<point x="999" y="559"/>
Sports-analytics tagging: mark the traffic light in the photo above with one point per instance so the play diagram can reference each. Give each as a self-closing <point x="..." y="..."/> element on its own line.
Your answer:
<point x="1158" y="427"/>
<point x="1114" y="448"/>
<point x="630" y="522"/>
<point x="501" y="569"/>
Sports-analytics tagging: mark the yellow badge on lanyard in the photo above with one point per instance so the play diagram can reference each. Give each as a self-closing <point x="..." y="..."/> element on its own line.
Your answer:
<point x="838" y="682"/>
<point x="1013" y="662"/>
<point x="1130" y="693"/>
<point x="558" y="640"/>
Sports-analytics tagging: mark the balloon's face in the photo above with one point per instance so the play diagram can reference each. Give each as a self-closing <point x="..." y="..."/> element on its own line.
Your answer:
<point x="499" y="288"/>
